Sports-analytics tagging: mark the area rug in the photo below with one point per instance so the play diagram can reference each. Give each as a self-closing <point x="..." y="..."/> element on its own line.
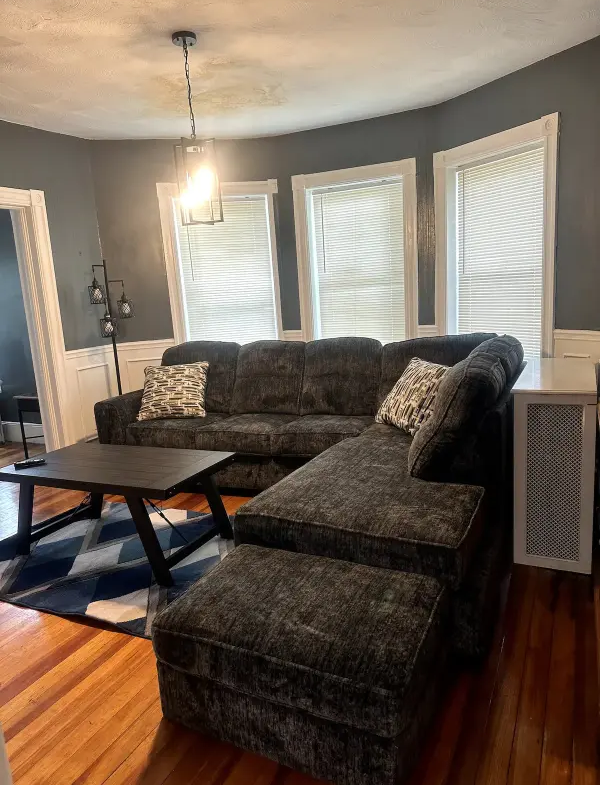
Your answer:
<point x="97" y="568"/>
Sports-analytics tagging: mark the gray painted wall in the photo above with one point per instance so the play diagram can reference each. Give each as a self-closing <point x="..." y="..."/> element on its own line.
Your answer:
<point x="60" y="166"/>
<point x="16" y="365"/>
<point x="126" y="173"/>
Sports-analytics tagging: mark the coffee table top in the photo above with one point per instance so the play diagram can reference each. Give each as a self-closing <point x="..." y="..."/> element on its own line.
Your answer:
<point x="156" y="472"/>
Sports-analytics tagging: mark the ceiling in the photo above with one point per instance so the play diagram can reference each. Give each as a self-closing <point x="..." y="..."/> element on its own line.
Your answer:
<point x="106" y="69"/>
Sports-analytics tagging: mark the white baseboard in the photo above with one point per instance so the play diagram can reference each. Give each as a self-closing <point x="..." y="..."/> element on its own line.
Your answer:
<point x="91" y="377"/>
<point x="33" y="431"/>
<point x="293" y="335"/>
<point x="427" y="331"/>
<point x="580" y="344"/>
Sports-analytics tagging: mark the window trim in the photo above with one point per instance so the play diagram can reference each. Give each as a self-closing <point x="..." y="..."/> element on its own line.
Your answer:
<point x="407" y="170"/>
<point x="445" y="165"/>
<point x="167" y="193"/>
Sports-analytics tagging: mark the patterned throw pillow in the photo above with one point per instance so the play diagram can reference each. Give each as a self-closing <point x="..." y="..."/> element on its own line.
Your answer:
<point x="174" y="391"/>
<point x="411" y="400"/>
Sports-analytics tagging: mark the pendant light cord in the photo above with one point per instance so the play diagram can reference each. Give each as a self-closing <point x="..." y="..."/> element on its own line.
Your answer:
<point x="189" y="89"/>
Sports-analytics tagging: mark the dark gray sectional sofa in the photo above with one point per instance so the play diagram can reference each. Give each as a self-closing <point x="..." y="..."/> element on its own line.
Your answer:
<point x="284" y="406"/>
<point x="368" y="558"/>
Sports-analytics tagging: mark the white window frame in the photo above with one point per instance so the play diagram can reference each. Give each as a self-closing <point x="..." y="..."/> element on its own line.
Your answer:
<point x="168" y="194"/>
<point x="445" y="166"/>
<point x="405" y="169"/>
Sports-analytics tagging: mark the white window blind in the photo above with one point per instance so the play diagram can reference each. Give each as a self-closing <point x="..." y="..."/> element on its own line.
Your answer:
<point x="357" y="258"/>
<point x="227" y="274"/>
<point x="500" y="254"/>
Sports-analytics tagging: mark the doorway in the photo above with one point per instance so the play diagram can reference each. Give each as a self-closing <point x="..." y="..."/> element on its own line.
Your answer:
<point x="21" y="429"/>
<point x="31" y="238"/>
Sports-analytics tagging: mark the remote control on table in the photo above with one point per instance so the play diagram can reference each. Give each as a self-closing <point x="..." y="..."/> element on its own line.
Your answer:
<point x="29" y="463"/>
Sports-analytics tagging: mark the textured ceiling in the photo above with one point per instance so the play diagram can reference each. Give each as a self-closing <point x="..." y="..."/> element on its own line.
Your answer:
<point x="107" y="68"/>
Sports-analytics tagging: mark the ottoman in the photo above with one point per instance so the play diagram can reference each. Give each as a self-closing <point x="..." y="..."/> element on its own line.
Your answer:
<point x="332" y="668"/>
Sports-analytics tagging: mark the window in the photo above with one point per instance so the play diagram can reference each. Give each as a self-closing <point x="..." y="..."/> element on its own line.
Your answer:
<point x="356" y="251"/>
<point x="495" y="208"/>
<point x="225" y="285"/>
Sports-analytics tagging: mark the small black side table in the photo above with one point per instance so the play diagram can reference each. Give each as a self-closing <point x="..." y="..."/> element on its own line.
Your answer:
<point x="26" y="403"/>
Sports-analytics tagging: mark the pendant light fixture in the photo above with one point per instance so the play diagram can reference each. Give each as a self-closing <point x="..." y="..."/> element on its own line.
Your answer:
<point x="195" y="161"/>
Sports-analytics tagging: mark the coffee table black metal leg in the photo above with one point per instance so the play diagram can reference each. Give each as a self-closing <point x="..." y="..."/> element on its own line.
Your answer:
<point x="96" y="500"/>
<point x="144" y="527"/>
<point x="217" y="508"/>
<point x="25" y="516"/>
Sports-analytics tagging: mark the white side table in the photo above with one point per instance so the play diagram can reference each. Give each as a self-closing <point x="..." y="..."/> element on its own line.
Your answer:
<point x="555" y="410"/>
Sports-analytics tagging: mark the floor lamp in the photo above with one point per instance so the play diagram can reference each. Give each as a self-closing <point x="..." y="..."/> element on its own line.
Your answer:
<point x="109" y="324"/>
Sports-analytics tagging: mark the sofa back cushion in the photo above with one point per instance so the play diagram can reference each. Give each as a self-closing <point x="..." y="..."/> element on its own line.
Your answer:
<point x="443" y="350"/>
<point x="468" y="391"/>
<point x="508" y="350"/>
<point x="222" y="361"/>
<point x="269" y="378"/>
<point x="341" y="376"/>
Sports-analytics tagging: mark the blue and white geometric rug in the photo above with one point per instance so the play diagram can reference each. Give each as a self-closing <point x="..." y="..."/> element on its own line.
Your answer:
<point x="98" y="568"/>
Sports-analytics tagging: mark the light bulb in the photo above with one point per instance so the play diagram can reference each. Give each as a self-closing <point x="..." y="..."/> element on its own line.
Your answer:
<point x="200" y="188"/>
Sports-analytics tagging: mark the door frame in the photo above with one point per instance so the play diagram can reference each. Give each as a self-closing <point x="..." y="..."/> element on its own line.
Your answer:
<point x="42" y="311"/>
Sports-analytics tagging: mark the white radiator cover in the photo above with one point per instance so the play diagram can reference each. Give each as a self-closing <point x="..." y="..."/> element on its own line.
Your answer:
<point x="554" y="464"/>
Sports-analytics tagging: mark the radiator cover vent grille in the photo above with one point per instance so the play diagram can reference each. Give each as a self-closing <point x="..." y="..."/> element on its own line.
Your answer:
<point x="554" y="455"/>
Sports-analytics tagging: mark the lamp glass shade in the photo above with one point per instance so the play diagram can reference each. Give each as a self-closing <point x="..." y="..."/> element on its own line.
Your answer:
<point x="200" y="198"/>
<point x="96" y="293"/>
<point x="108" y="326"/>
<point x="125" y="307"/>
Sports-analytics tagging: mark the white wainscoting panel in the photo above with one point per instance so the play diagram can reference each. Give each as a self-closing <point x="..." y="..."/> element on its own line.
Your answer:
<point x="91" y="377"/>
<point x="12" y="433"/>
<point x="93" y="380"/>
<point x="580" y="344"/>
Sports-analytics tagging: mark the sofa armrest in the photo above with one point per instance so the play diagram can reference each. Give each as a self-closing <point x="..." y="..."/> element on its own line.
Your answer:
<point x="115" y="414"/>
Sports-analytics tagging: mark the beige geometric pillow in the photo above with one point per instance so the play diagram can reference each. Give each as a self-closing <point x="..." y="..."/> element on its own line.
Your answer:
<point x="411" y="400"/>
<point x="174" y="391"/>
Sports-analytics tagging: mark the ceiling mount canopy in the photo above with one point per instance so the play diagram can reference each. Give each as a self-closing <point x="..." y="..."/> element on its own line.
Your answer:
<point x="184" y="37"/>
<point x="195" y="160"/>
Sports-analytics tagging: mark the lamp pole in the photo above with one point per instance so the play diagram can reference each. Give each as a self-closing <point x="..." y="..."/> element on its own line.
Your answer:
<point x="112" y="319"/>
<point x="113" y="337"/>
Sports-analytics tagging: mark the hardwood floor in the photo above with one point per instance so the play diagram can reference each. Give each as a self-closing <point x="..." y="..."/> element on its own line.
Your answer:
<point x="13" y="451"/>
<point x="80" y="704"/>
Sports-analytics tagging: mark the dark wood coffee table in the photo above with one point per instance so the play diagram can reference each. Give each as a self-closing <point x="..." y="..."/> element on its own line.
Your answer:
<point x="137" y="473"/>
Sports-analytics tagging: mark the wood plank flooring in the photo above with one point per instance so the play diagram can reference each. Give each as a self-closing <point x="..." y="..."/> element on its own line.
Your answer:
<point x="79" y="705"/>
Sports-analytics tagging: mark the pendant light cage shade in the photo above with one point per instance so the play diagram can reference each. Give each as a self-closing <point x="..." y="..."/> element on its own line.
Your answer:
<point x="125" y="307"/>
<point x="200" y="197"/>
<point x="108" y="326"/>
<point x="96" y="293"/>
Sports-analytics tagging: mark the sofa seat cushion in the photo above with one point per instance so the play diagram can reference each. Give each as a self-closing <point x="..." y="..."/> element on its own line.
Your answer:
<point x="313" y="434"/>
<point x="357" y="502"/>
<point x="246" y="433"/>
<point x="344" y="642"/>
<point x="179" y="433"/>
